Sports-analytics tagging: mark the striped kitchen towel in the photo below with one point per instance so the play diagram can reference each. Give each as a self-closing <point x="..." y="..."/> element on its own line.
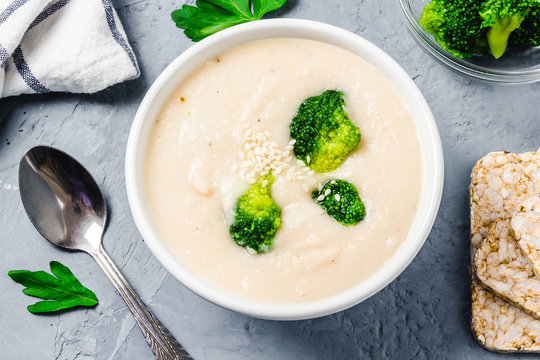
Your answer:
<point x="74" y="46"/>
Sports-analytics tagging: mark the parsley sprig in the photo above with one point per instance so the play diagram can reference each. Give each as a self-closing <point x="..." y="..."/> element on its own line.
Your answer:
<point x="61" y="291"/>
<point x="211" y="16"/>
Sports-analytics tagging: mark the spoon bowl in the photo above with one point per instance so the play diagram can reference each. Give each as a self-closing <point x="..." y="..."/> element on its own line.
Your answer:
<point x="66" y="206"/>
<point x="62" y="199"/>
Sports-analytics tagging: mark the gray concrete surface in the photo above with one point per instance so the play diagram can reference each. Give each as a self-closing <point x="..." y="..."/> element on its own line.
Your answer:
<point x="424" y="314"/>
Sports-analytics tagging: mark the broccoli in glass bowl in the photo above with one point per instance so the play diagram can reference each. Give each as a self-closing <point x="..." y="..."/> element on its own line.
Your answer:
<point x="491" y="40"/>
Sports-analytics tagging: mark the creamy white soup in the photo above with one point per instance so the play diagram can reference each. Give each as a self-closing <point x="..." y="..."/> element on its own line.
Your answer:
<point x="196" y="169"/>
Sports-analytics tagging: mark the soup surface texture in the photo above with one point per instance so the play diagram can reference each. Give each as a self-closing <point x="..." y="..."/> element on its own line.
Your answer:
<point x="195" y="170"/>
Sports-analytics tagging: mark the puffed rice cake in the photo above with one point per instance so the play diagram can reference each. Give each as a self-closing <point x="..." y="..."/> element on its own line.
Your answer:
<point x="526" y="226"/>
<point x="501" y="267"/>
<point x="500" y="326"/>
<point x="500" y="183"/>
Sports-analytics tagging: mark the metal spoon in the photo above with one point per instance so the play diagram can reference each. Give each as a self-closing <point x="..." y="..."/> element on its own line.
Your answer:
<point x="66" y="206"/>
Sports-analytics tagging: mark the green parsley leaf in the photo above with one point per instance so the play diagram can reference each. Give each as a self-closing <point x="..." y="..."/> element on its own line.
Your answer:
<point x="61" y="292"/>
<point x="261" y="7"/>
<point x="210" y="16"/>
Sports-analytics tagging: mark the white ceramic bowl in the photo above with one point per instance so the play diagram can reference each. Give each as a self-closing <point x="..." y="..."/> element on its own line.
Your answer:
<point x="191" y="59"/>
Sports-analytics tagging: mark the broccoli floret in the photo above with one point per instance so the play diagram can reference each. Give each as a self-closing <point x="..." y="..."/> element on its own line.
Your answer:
<point x="324" y="134"/>
<point x="456" y="25"/>
<point x="469" y="27"/>
<point x="528" y="34"/>
<point x="340" y="200"/>
<point x="501" y="17"/>
<point x="257" y="217"/>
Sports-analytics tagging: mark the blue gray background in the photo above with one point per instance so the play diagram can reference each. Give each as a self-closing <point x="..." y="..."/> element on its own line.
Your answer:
<point x="423" y="314"/>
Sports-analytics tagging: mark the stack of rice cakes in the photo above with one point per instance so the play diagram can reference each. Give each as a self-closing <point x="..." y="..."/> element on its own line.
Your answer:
<point x="505" y="233"/>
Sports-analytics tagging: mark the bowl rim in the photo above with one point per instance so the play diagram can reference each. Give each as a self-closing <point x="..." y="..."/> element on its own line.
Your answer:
<point x="168" y="80"/>
<point x="460" y="66"/>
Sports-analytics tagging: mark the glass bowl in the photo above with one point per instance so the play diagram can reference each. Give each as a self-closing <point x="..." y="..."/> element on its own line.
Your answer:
<point x="514" y="67"/>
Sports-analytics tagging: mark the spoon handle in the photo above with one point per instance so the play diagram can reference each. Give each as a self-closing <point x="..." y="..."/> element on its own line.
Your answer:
<point x="163" y="344"/>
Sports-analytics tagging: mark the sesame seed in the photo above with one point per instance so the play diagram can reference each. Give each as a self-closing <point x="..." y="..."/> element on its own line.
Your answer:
<point x="337" y="197"/>
<point x="327" y="192"/>
<point x="333" y="182"/>
<point x="260" y="156"/>
<point x="320" y="198"/>
<point x="308" y="159"/>
<point x="319" y="186"/>
<point x="265" y="183"/>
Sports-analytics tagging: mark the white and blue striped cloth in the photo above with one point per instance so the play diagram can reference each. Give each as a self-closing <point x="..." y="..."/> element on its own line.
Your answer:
<point x="74" y="46"/>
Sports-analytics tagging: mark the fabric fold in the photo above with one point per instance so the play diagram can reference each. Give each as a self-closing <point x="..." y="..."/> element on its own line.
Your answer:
<point x="74" y="46"/>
